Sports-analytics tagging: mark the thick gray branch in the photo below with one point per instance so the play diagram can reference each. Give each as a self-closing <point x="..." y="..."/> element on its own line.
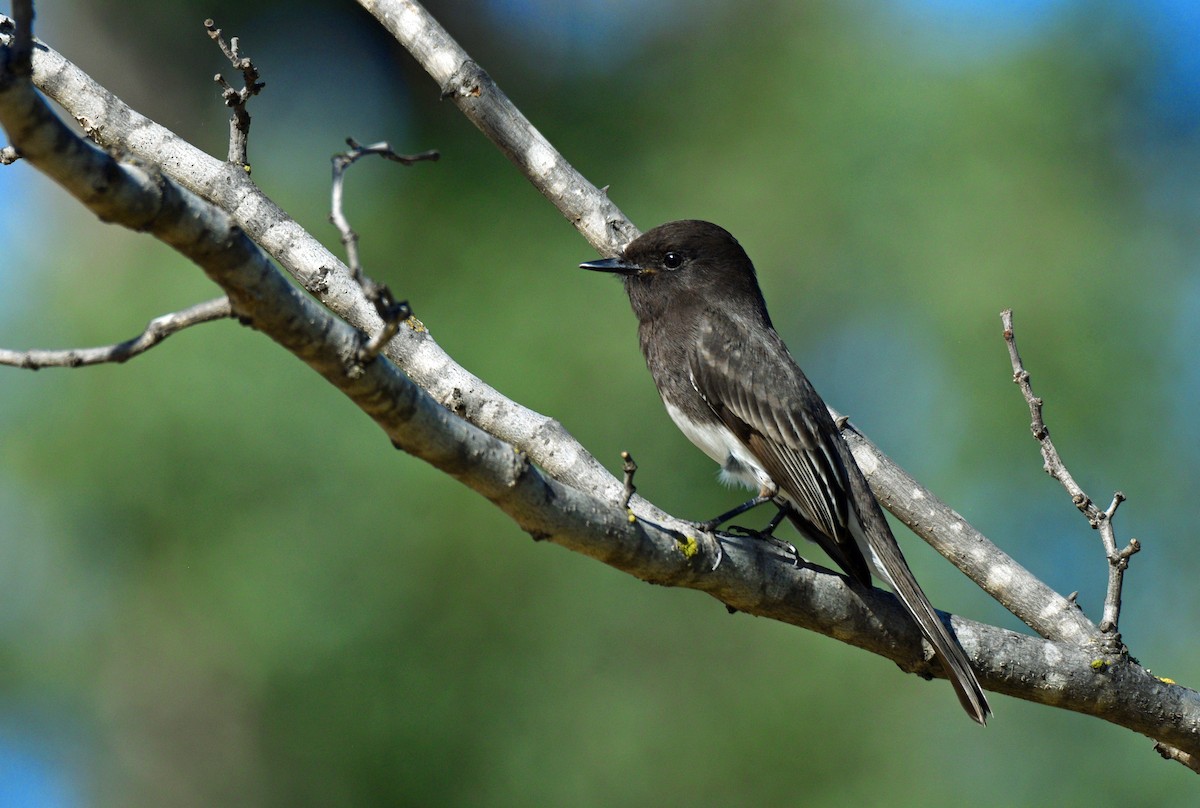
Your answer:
<point x="586" y="517"/>
<point x="113" y="124"/>
<point x="263" y="298"/>
<point x="470" y="87"/>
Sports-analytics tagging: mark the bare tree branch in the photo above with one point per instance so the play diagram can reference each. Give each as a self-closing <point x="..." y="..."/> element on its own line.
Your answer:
<point x="156" y="331"/>
<point x="1118" y="560"/>
<point x="262" y="298"/>
<point x="111" y="123"/>
<point x="467" y="84"/>
<point x="588" y="518"/>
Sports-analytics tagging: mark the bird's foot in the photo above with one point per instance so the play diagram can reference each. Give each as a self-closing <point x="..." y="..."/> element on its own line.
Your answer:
<point x="765" y="535"/>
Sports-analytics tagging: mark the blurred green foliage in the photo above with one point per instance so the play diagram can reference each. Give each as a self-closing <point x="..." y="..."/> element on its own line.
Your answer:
<point x="222" y="586"/>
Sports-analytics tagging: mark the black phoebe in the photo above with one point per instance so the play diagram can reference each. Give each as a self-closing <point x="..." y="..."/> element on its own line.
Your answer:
<point x="731" y="386"/>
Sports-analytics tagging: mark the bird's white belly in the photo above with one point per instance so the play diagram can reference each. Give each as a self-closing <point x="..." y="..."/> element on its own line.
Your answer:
<point x="736" y="462"/>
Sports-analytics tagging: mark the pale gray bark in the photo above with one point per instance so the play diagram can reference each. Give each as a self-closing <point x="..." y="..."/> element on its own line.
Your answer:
<point x="521" y="460"/>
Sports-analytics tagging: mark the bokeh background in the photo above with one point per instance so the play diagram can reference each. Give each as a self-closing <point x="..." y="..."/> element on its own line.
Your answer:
<point x="220" y="585"/>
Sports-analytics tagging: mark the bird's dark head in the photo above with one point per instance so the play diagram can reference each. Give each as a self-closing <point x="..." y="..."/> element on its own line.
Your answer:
<point x="685" y="263"/>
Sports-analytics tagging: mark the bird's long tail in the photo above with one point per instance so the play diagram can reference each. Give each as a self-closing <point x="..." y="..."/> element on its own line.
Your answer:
<point x="949" y="652"/>
<point x="884" y="554"/>
<point x="892" y="568"/>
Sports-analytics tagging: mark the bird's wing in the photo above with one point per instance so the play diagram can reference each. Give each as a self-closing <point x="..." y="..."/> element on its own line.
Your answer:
<point x="752" y="384"/>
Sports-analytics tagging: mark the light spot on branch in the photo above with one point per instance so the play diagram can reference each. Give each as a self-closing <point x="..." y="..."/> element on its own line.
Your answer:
<point x="867" y="462"/>
<point x="999" y="577"/>
<point x="541" y="159"/>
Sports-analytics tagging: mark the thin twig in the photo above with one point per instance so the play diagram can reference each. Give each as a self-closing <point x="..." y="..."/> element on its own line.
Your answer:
<point x="239" y="121"/>
<point x="1179" y="756"/>
<point x="1118" y="560"/>
<point x="156" y="331"/>
<point x="629" y="468"/>
<point x="391" y="311"/>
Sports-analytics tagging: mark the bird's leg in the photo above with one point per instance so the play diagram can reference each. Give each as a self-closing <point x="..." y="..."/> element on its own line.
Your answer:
<point x="769" y="530"/>
<point x="754" y="502"/>
<point x="767" y="494"/>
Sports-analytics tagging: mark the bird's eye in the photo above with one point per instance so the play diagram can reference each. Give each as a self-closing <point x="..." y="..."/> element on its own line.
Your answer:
<point x="673" y="260"/>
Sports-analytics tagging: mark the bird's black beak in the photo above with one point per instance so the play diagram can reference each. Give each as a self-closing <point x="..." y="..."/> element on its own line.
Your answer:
<point x="617" y="265"/>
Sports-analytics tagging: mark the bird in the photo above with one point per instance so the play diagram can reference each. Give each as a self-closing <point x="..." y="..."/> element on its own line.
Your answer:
<point x="731" y="386"/>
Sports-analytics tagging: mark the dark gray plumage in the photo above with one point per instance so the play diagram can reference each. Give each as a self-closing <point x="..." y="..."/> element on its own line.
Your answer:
<point x="732" y="388"/>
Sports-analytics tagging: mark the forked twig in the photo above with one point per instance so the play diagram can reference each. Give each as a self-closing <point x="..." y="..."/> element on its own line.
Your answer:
<point x="239" y="122"/>
<point x="392" y="311"/>
<point x="1101" y="520"/>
